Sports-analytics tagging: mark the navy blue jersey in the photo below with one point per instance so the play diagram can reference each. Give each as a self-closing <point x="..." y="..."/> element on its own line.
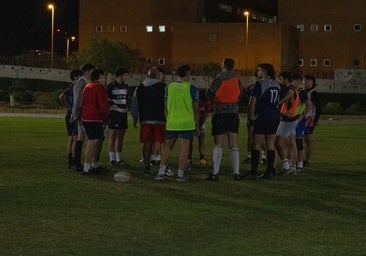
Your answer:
<point x="267" y="94"/>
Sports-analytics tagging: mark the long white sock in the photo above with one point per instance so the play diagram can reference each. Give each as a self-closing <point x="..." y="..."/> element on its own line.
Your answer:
<point x="285" y="164"/>
<point x="112" y="156"/>
<point x="162" y="170"/>
<point x="118" y="156"/>
<point x="217" y="155"/>
<point x="86" y="167"/>
<point x="234" y="156"/>
<point x="180" y="173"/>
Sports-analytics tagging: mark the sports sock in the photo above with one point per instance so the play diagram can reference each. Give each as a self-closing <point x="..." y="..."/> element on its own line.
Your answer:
<point x="234" y="156"/>
<point x="285" y="164"/>
<point x="270" y="161"/>
<point x="255" y="161"/>
<point x="264" y="155"/>
<point x="118" y="156"/>
<point x="112" y="156"/>
<point x="180" y="173"/>
<point x="217" y="155"/>
<point x="86" y="167"/>
<point x="300" y="164"/>
<point x="162" y="170"/>
<point x="78" y="150"/>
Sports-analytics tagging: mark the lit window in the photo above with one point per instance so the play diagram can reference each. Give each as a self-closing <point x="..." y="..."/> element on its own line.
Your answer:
<point x="327" y="62"/>
<point x="314" y="27"/>
<point x="357" y="27"/>
<point x="149" y="28"/>
<point x="110" y="28"/>
<point x="300" y="62"/>
<point x="161" y="61"/>
<point x="356" y="62"/>
<point x="98" y="29"/>
<point x="300" y="27"/>
<point x="313" y="62"/>
<point x="162" y="28"/>
<point x="123" y="28"/>
<point x="327" y="27"/>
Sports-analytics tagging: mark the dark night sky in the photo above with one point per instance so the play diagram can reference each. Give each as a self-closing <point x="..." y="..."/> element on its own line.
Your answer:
<point x="26" y="24"/>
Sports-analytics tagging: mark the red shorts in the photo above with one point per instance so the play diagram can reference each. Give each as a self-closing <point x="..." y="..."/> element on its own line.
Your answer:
<point x="152" y="133"/>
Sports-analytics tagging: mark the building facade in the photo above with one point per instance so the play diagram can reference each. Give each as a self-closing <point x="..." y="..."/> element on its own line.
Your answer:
<point x="310" y="36"/>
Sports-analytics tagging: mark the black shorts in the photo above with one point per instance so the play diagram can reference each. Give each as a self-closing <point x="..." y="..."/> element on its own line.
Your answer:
<point x="223" y="123"/>
<point x="94" y="130"/>
<point x="266" y="126"/>
<point x="117" y="120"/>
<point x="72" y="128"/>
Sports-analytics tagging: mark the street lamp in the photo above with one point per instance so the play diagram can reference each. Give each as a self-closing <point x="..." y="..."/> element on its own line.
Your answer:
<point x="52" y="8"/>
<point x="246" y="14"/>
<point x="68" y="45"/>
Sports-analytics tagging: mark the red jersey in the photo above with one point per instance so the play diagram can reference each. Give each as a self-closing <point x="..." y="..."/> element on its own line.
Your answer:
<point x="94" y="106"/>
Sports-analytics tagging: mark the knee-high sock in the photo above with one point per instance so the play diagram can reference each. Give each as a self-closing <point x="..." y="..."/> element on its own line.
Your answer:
<point x="255" y="161"/>
<point x="234" y="156"/>
<point x="217" y="155"/>
<point x="270" y="161"/>
<point x="78" y="151"/>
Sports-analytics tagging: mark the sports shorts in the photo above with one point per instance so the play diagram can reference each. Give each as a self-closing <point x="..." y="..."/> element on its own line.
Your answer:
<point x="117" y="120"/>
<point x="94" y="130"/>
<point x="152" y="133"/>
<point x="224" y="123"/>
<point x="172" y="135"/>
<point x="287" y="129"/>
<point x="266" y="126"/>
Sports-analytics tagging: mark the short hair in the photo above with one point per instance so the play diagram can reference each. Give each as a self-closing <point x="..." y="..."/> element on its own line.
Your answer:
<point x="95" y="74"/>
<point x="120" y="72"/>
<point x="310" y="77"/>
<point x="87" y="67"/>
<point x="286" y="75"/>
<point x="183" y="70"/>
<point x="75" y="73"/>
<point x="268" y="69"/>
<point x="229" y="63"/>
<point x="153" y="72"/>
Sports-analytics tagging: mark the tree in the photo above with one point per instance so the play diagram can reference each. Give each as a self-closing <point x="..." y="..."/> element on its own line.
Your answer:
<point x="106" y="55"/>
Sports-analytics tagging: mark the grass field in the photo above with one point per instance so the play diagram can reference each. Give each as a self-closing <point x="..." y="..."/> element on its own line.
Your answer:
<point x="46" y="209"/>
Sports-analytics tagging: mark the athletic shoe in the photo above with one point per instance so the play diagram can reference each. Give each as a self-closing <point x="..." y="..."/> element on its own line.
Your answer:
<point x="159" y="177"/>
<point x="148" y="171"/>
<point x="203" y="162"/>
<point x="86" y="173"/>
<point x="264" y="176"/>
<point x="182" y="179"/>
<point x="299" y="169"/>
<point x="168" y="172"/>
<point x="290" y="171"/>
<point x="263" y="161"/>
<point x="282" y="171"/>
<point x="237" y="176"/>
<point x="213" y="177"/>
<point x="306" y="163"/>
<point x="249" y="176"/>
<point x="112" y="162"/>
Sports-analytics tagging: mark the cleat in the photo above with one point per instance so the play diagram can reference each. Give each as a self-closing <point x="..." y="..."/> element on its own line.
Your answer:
<point x="213" y="177"/>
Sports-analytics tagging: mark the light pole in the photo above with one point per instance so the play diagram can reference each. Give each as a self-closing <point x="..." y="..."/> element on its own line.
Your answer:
<point x="68" y="46"/>
<point x="52" y="8"/>
<point x="246" y="14"/>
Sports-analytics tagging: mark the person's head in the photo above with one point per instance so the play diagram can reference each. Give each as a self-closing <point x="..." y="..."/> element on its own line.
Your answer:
<point x="97" y="74"/>
<point x="297" y="80"/>
<point x="87" y="67"/>
<point x="265" y="70"/>
<point x="75" y="74"/>
<point x="228" y="64"/>
<point x="310" y="82"/>
<point x="183" y="71"/>
<point x="153" y="73"/>
<point x="285" y="78"/>
<point x="121" y="75"/>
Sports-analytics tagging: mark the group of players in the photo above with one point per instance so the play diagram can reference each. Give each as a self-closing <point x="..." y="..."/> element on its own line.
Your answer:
<point x="280" y="115"/>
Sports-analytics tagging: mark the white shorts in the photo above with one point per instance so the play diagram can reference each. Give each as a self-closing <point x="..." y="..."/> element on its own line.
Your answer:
<point x="287" y="129"/>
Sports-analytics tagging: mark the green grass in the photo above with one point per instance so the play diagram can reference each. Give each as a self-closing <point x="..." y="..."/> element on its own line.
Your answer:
<point x="46" y="209"/>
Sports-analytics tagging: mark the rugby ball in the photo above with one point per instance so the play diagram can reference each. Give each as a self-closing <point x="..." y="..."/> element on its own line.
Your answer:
<point x="121" y="176"/>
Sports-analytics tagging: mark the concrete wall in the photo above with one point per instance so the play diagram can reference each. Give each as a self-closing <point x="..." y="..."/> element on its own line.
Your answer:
<point x="324" y="85"/>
